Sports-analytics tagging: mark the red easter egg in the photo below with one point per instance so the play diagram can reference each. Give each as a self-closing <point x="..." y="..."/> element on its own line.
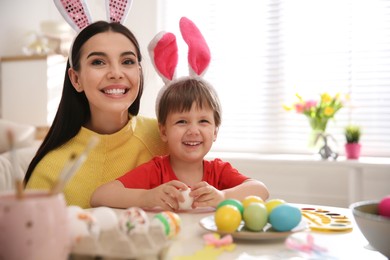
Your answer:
<point x="384" y="207"/>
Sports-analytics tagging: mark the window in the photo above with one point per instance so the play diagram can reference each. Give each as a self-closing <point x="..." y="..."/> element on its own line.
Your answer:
<point x="263" y="52"/>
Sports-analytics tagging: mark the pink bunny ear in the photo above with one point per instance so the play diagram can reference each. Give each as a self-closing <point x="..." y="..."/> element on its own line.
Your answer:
<point x="75" y="13"/>
<point x="117" y="10"/>
<point x="164" y="55"/>
<point x="198" y="51"/>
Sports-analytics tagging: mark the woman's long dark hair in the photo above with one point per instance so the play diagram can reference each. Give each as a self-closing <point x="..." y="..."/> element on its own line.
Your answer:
<point x="73" y="110"/>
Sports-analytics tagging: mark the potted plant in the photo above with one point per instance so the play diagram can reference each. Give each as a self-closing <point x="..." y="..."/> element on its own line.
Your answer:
<point x="352" y="147"/>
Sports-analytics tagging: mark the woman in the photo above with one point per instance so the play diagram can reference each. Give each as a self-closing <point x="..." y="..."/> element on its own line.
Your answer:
<point x="101" y="97"/>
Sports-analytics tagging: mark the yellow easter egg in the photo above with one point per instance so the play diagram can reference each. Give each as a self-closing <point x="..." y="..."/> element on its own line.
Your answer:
<point x="227" y="218"/>
<point x="250" y="199"/>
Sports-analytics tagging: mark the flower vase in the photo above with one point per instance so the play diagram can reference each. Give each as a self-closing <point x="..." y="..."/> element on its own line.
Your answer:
<point x="320" y="139"/>
<point x="318" y="127"/>
<point x="352" y="150"/>
<point x="318" y="124"/>
<point x="314" y="142"/>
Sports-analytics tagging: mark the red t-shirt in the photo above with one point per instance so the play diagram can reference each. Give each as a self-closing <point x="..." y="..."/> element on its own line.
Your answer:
<point x="157" y="171"/>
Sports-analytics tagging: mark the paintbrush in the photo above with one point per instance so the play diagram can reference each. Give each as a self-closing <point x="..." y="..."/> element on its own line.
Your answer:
<point x="16" y="176"/>
<point x="58" y="185"/>
<point x="72" y="166"/>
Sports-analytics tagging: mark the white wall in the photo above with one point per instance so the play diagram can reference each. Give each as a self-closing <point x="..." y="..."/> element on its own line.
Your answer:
<point x="21" y="17"/>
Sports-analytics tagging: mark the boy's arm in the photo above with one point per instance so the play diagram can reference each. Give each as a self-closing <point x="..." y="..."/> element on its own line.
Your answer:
<point x="248" y="187"/>
<point x="115" y="195"/>
<point x="206" y="195"/>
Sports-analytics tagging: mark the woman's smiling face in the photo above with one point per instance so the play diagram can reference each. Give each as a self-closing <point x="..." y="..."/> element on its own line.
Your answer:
<point x="109" y="73"/>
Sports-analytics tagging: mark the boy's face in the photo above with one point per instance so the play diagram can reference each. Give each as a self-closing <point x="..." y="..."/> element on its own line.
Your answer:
<point x="189" y="134"/>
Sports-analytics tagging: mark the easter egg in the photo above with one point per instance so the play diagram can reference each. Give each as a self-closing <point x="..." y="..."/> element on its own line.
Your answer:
<point x="82" y="223"/>
<point x="133" y="219"/>
<point x="233" y="202"/>
<point x="251" y="198"/>
<point x="285" y="217"/>
<point x="169" y="221"/>
<point x="255" y="216"/>
<point x="187" y="204"/>
<point x="106" y="218"/>
<point x="227" y="218"/>
<point x="272" y="203"/>
<point x="74" y="210"/>
<point x="384" y="207"/>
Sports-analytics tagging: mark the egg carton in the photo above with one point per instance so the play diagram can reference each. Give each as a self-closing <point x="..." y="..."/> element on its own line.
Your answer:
<point x="117" y="244"/>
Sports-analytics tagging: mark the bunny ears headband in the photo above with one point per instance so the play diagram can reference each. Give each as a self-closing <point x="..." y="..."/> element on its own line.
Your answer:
<point x="163" y="52"/>
<point x="76" y="13"/>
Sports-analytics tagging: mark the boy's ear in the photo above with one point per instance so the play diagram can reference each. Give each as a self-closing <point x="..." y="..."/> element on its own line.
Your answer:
<point x="216" y="133"/>
<point x="163" y="134"/>
<point x="74" y="78"/>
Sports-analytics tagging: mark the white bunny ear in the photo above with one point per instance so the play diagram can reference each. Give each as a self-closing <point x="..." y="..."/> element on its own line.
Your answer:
<point x="75" y="13"/>
<point x="117" y="10"/>
<point x="164" y="55"/>
<point x="198" y="51"/>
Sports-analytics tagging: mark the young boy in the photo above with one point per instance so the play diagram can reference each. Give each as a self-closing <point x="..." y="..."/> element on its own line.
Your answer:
<point x="189" y="115"/>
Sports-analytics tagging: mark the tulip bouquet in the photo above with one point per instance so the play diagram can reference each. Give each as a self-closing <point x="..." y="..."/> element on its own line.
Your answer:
<point x="317" y="111"/>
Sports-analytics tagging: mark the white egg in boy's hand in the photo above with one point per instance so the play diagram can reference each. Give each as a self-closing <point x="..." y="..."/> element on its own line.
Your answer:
<point x="186" y="205"/>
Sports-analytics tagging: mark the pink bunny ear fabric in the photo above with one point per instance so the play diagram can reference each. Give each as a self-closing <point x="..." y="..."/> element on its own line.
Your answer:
<point x="117" y="10"/>
<point x="163" y="53"/>
<point x="198" y="51"/>
<point x="75" y="13"/>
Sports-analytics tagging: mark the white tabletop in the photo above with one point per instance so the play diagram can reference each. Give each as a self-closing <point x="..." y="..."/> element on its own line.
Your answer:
<point x="190" y="244"/>
<point x="345" y="245"/>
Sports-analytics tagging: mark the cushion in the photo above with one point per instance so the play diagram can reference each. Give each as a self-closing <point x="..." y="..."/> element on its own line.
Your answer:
<point x="24" y="134"/>
<point x="23" y="159"/>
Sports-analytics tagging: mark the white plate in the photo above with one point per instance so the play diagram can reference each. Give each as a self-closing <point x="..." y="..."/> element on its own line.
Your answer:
<point x="268" y="233"/>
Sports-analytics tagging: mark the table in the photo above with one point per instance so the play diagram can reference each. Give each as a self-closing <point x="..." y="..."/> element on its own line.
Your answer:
<point x="351" y="245"/>
<point x="189" y="242"/>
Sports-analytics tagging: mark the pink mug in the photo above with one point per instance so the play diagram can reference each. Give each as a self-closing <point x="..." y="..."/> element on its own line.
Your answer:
<point x="34" y="227"/>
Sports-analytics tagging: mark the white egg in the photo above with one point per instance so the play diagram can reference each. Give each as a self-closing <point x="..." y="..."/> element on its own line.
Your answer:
<point x="106" y="218"/>
<point x="82" y="224"/>
<point x="78" y="229"/>
<point x="186" y="205"/>
<point x="73" y="210"/>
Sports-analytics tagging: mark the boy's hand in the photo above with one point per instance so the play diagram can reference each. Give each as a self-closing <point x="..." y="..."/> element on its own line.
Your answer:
<point x="168" y="195"/>
<point x="206" y="195"/>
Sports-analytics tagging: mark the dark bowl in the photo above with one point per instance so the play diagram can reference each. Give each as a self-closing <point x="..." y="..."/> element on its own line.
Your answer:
<point x="375" y="228"/>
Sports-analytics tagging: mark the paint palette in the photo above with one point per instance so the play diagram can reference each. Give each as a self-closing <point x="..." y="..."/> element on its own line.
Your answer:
<point x="326" y="221"/>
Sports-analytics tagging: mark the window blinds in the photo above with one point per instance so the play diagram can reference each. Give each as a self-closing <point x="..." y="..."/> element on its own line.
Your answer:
<point x="263" y="52"/>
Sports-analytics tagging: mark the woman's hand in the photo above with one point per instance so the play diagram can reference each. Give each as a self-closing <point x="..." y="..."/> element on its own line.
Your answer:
<point x="206" y="195"/>
<point x="167" y="195"/>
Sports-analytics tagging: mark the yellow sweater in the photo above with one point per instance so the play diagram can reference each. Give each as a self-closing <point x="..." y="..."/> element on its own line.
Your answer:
<point x="113" y="156"/>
